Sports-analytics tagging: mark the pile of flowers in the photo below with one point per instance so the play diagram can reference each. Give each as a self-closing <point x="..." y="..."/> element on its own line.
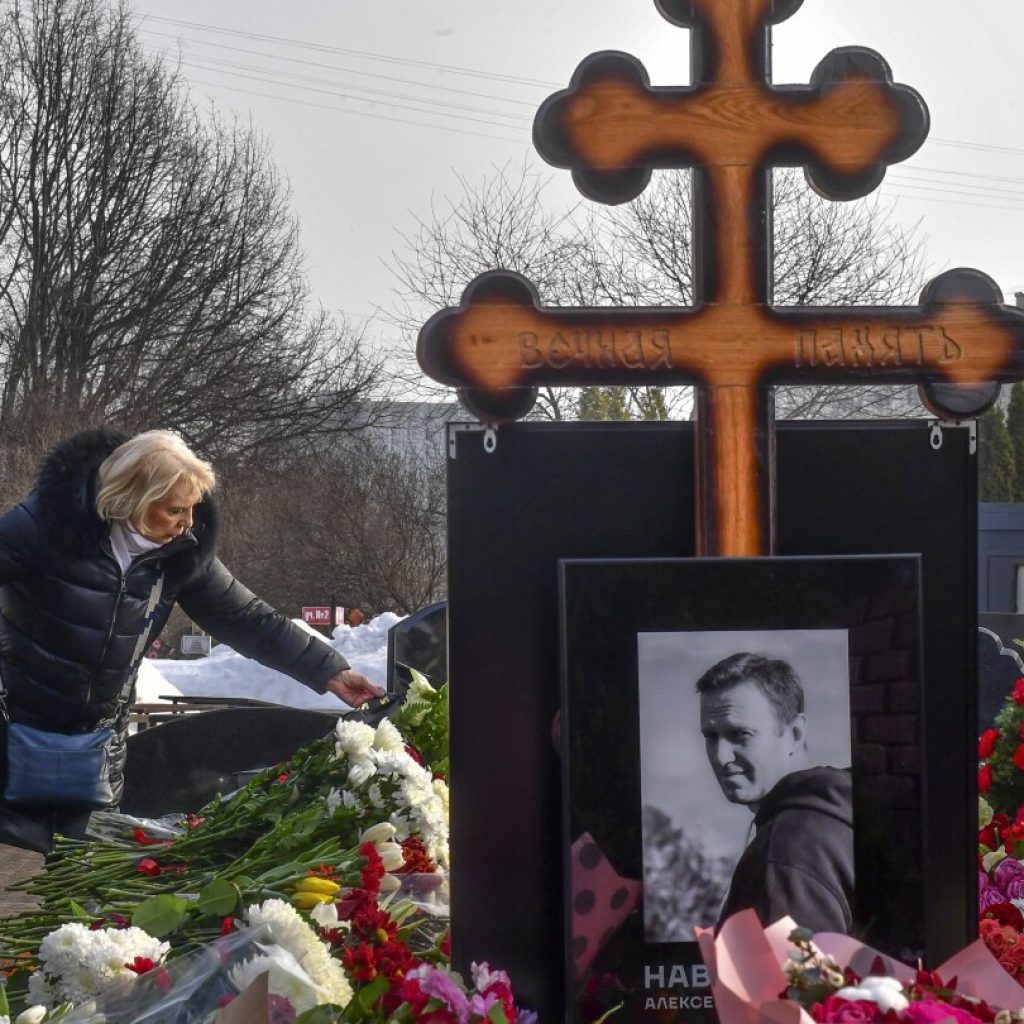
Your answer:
<point x="325" y="877"/>
<point x="834" y="978"/>
<point x="1001" y="756"/>
<point x="1001" y="835"/>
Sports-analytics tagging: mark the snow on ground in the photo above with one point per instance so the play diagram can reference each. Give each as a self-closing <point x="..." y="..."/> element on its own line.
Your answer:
<point x="225" y="673"/>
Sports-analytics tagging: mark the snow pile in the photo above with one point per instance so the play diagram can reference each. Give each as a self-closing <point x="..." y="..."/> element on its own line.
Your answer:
<point x="226" y="673"/>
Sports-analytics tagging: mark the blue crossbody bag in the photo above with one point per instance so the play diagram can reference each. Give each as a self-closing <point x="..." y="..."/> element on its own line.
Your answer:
<point x="46" y="767"/>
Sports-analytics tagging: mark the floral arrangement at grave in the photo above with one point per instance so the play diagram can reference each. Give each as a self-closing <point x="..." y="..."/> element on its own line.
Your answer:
<point x="1001" y="835"/>
<point x="1001" y="757"/>
<point x="786" y="973"/>
<point x="326" y="874"/>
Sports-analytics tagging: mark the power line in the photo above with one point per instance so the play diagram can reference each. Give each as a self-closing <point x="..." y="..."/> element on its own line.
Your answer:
<point x="348" y="96"/>
<point x="364" y="54"/>
<point x="340" y="70"/>
<point x="354" y="113"/>
<point x="289" y="80"/>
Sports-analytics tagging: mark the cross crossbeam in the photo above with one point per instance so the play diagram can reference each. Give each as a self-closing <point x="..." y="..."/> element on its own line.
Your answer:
<point x="731" y="126"/>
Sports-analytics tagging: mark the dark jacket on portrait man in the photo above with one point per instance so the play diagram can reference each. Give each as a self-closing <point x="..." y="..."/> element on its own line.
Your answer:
<point x="800" y="861"/>
<point x="70" y="619"/>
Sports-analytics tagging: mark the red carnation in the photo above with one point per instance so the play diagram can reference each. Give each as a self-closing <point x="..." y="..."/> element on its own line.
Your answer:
<point x="141" y="964"/>
<point x="148" y="866"/>
<point x="373" y="871"/>
<point x="984" y="778"/>
<point x="142" y="839"/>
<point x="987" y="743"/>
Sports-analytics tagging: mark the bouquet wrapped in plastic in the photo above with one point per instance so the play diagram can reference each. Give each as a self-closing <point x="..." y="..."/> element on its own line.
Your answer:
<point x="782" y="974"/>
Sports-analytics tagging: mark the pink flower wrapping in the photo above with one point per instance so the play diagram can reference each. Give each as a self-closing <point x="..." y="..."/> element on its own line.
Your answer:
<point x="745" y="965"/>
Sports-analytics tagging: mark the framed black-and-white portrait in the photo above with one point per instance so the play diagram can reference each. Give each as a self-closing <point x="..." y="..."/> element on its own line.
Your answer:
<point x="735" y="733"/>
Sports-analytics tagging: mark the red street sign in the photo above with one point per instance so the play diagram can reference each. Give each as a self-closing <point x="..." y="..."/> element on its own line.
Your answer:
<point x="317" y="615"/>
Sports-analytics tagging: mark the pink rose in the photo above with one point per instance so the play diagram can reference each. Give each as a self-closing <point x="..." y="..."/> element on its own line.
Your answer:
<point x="845" y="1011"/>
<point x="1015" y="889"/>
<point x="932" y="1011"/>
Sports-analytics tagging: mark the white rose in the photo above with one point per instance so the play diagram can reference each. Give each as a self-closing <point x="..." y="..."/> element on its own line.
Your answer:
<point x="391" y="856"/>
<point x="379" y="833"/>
<point x="33" y="1015"/>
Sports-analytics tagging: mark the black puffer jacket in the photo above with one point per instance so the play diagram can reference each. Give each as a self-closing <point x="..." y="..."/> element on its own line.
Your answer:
<point x="800" y="861"/>
<point x="70" y="620"/>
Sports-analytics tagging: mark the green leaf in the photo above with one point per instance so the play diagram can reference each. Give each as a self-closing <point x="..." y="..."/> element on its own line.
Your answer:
<point x="368" y="996"/>
<point x="160" y="915"/>
<point x="282" y="871"/>
<point x="496" y="1014"/>
<point x="218" y="899"/>
<point x="4" y="1007"/>
<point x="324" y="1014"/>
<point x="78" y="910"/>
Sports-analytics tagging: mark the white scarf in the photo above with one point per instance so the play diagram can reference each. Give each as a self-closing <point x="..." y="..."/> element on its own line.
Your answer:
<point x="127" y="543"/>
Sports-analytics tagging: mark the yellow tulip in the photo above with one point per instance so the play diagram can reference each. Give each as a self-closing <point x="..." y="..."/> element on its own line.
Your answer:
<point x="318" y="884"/>
<point x="309" y="900"/>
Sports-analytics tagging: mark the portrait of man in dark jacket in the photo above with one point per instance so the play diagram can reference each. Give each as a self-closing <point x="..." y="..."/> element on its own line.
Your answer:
<point x="799" y="861"/>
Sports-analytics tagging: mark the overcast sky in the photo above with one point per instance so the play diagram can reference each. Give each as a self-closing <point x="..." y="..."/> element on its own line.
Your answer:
<point x="374" y="106"/>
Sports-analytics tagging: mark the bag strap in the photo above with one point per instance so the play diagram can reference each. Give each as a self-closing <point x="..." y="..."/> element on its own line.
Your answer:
<point x="140" y="649"/>
<point x="143" y="642"/>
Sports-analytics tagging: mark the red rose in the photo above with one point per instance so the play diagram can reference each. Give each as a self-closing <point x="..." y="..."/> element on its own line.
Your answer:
<point x="987" y="743"/>
<point x="987" y="837"/>
<point x="984" y="778"/>
<point x="148" y="866"/>
<point x="1018" y="756"/>
<point x="1005" y="913"/>
<point x="1018" y="692"/>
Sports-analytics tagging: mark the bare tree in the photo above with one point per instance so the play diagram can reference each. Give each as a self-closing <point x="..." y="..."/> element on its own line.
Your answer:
<point x="640" y="254"/>
<point x="369" y="530"/>
<point x="150" y="265"/>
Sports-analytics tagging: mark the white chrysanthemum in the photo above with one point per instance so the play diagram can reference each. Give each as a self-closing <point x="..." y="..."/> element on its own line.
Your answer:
<point x="353" y="738"/>
<point x="440" y="788"/>
<point x="40" y="990"/>
<point x="361" y="771"/>
<point x="350" y="800"/>
<point x="77" y="962"/>
<point x="288" y="930"/>
<point x="333" y="800"/>
<point x="387" y="737"/>
<point x="374" y="795"/>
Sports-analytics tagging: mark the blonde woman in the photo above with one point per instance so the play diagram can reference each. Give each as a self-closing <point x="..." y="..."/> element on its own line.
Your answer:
<point x="115" y="533"/>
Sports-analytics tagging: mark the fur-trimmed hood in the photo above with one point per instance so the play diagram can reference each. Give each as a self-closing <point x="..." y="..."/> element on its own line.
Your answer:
<point x="64" y="504"/>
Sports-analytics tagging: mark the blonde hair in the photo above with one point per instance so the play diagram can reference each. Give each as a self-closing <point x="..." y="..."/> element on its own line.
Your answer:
<point x="146" y="469"/>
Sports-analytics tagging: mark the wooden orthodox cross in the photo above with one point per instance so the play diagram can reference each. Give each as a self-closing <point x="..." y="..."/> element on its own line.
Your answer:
<point x="731" y="126"/>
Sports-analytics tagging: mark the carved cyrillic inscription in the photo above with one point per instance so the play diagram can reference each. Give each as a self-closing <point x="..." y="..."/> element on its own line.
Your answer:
<point x="881" y="346"/>
<point x="629" y="350"/>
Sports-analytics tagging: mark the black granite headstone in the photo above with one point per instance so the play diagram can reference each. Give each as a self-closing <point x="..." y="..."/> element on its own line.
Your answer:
<point x="999" y="667"/>
<point x="419" y="641"/>
<point x="181" y="765"/>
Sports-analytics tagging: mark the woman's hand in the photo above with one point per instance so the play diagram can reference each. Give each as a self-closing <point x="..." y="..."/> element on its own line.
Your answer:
<point x="353" y="688"/>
